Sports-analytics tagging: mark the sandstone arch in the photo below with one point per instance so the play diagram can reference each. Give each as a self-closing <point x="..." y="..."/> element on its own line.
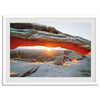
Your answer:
<point x="30" y="36"/>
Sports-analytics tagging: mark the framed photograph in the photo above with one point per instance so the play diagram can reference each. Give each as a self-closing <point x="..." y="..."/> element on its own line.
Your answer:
<point x="49" y="51"/>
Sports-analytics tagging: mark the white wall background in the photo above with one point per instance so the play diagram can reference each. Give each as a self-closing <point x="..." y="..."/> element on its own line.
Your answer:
<point x="49" y="8"/>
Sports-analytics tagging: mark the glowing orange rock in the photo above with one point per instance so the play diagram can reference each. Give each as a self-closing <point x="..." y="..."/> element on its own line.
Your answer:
<point x="16" y="42"/>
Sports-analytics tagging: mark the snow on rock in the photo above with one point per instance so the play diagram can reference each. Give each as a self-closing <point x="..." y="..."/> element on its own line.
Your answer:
<point x="74" y="68"/>
<point x="21" y="67"/>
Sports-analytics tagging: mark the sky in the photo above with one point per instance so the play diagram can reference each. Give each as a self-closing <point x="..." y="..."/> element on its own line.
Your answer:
<point x="75" y="29"/>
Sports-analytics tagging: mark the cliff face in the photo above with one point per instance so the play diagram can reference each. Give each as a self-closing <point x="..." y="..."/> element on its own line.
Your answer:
<point x="25" y="34"/>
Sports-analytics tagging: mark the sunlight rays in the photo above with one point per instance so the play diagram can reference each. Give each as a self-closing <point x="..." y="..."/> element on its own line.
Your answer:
<point x="41" y="48"/>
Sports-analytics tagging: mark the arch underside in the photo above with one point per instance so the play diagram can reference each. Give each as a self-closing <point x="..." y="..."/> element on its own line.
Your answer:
<point x="16" y="42"/>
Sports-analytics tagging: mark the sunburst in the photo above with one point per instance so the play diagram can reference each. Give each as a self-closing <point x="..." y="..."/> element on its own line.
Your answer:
<point x="48" y="49"/>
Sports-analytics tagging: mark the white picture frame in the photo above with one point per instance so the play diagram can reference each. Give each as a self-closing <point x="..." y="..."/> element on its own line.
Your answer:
<point x="7" y="80"/>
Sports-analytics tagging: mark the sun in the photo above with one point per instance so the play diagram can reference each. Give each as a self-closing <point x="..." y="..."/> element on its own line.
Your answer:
<point x="48" y="49"/>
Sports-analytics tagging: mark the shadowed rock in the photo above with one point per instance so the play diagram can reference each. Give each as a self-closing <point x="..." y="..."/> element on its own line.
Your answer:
<point x="30" y="72"/>
<point x="69" y="55"/>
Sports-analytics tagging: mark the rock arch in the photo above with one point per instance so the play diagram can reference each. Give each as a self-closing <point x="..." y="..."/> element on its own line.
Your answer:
<point x="30" y="36"/>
